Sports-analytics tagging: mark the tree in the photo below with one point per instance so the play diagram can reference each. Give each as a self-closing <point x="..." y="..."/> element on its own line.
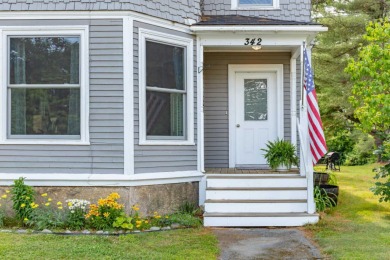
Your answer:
<point x="346" y="21"/>
<point x="370" y="73"/>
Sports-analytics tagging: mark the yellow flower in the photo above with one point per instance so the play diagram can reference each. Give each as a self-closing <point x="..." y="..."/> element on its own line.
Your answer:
<point x="44" y="195"/>
<point x="114" y="196"/>
<point x="4" y="196"/>
<point x="166" y="216"/>
<point x="69" y="204"/>
<point x="23" y="205"/>
<point x="146" y="222"/>
<point x="49" y="199"/>
<point x="59" y="203"/>
<point x="25" y="219"/>
<point x="27" y="198"/>
<point x="138" y="222"/>
<point x="7" y="191"/>
<point x="106" y="214"/>
<point x="60" y="207"/>
<point x="135" y="207"/>
<point x="157" y="216"/>
<point x="47" y="204"/>
<point x="138" y="226"/>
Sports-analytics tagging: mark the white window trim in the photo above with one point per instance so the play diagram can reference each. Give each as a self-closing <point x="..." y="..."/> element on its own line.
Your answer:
<point x="145" y="35"/>
<point x="81" y="31"/>
<point x="236" y="6"/>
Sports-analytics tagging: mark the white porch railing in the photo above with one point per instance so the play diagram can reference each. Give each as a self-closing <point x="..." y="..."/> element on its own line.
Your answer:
<point x="306" y="165"/>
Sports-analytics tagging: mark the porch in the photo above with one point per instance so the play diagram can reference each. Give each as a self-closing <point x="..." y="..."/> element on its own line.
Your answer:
<point x="247" y="171"/>
<point x="250" y="95"/>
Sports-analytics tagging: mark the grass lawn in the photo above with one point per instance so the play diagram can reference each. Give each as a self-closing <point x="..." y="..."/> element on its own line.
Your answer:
<point x="176" y="244"/>
<point x="359" y="228"/>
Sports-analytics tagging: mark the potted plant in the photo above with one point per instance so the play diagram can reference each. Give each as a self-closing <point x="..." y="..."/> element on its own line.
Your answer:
<point x="280" y="155"/>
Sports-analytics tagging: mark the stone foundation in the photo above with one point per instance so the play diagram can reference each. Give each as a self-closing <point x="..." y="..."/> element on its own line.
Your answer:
<point x="164" y="198"/>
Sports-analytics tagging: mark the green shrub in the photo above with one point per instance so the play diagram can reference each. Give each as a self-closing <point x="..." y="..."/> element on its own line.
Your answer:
<point x="382" y="188"/>
<point x="23" y="198"/>
<point x="189" y="208"/>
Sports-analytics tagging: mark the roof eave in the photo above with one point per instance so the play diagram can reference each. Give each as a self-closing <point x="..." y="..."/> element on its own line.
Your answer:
<point x="257" y="28"/>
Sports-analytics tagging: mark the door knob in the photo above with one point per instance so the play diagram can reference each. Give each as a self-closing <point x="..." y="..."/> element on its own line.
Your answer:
<point x="238" y="125"/>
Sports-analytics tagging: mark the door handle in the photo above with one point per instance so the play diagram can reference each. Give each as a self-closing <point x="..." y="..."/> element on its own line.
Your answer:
<point x="238" y="125"/>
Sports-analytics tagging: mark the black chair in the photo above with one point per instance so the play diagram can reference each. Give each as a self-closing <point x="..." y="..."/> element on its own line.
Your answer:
<point x="333" y="161"/>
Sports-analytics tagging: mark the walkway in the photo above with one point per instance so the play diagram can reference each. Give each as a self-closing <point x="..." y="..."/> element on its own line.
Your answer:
<point x="264" y="243"/>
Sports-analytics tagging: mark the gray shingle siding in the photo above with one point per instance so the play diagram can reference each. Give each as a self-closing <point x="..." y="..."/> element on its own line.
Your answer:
<point x="148" y="158"/>
<point x="173" y="10"/>
<point x="298" y="10"/>
<point x="105" y="154"/>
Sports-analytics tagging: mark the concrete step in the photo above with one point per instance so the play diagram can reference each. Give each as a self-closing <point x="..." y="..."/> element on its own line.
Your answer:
<point x="255" y="206"/>
<point x="295" y="181"/>
<point x="259" y="219"/>
<point x="245" y="193"/>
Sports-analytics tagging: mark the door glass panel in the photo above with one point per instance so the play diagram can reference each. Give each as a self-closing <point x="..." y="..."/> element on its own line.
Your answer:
<point x="255" y="99"/>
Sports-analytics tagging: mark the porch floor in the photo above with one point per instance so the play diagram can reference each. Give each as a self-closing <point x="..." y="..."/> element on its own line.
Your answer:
<point x="247" y="171"/>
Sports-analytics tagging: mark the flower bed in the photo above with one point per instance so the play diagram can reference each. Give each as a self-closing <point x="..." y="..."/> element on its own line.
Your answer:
<point x="40" y="212"/>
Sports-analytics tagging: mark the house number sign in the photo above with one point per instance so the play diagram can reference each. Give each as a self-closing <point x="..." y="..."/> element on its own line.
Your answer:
<point x="253" y="41"/>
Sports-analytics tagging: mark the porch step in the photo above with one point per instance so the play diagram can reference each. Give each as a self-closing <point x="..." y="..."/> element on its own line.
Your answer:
<point x="255" y="206"/>
<point x="245" y="181"/>
<point x="256" y="200"/>
<point x="245" y="193"/>
<point x="259" y="219"/>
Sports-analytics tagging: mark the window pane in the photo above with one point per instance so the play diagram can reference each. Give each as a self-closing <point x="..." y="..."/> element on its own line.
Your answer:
<point x="164" y="66"/>
<point x="45" y="111"/>
<point x="165" y="114"/>
<point x="44" y="60"/>
<point x="255" y="96"/>
<point x="256" y="2"/>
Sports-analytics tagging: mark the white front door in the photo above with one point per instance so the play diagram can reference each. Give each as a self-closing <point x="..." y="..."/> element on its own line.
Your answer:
<point x="255" y="116"/>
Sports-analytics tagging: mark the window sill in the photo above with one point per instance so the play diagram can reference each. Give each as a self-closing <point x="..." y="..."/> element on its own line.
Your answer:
<point x="44" y="142"/>
<point x="166" y="142"/>
<point x="260" y="8"/>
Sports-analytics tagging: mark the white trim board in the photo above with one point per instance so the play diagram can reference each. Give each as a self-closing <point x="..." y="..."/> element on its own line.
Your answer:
<point x="232" y="70"/>
<point x="128" y="96"/>
<point x="114" y="180"/>
<point x="237" y="6"/>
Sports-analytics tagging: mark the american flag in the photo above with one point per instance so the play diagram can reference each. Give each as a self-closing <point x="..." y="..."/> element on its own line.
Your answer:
<point x="317" y="138"/>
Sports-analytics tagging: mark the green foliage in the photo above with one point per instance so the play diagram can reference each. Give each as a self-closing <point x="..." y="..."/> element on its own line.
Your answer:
<point x="371" y="77"/>
<point x="2" y="217"/>
<point x="22" y="198"/>
<point x="123" y="222"/>
<point x="382" y="188"/>
<point x="189" y="208"/>
<point x="280" y="153"/>
<point x="183" y="219"/>
<point x="47" y="218"/>
<point x="322" y="199"/>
